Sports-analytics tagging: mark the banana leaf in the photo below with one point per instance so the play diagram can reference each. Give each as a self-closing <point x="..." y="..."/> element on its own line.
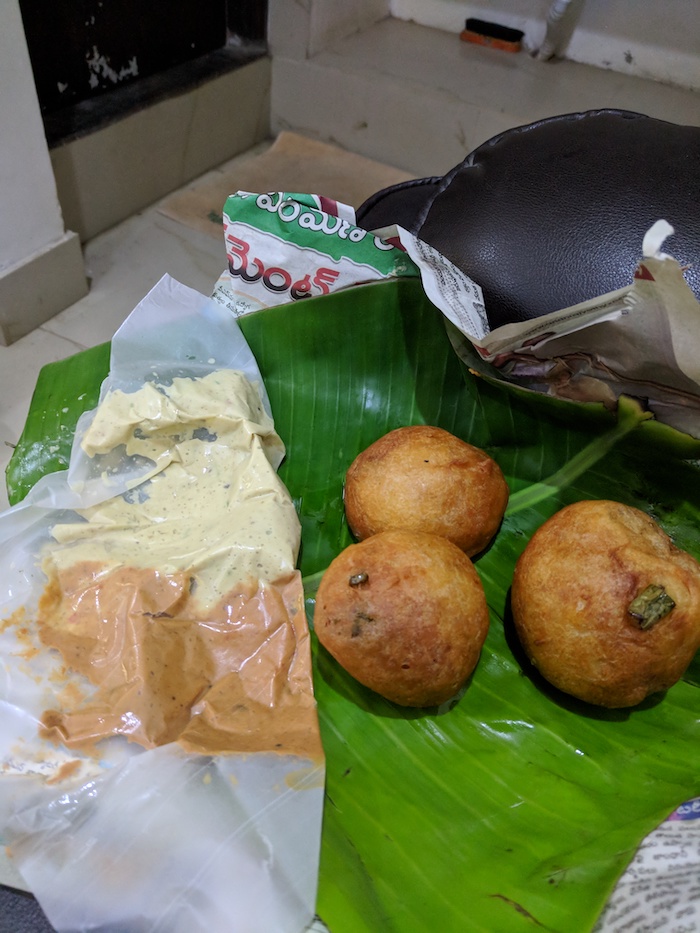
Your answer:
<point x="515" y="808"/>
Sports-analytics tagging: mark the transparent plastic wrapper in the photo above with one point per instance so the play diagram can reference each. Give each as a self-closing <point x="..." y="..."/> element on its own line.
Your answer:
<point x="160" y="759"/>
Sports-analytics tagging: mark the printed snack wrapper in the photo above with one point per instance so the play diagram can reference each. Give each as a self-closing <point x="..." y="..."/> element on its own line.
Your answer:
<point x="203" y="812"/>
<point x="282" y="247"/>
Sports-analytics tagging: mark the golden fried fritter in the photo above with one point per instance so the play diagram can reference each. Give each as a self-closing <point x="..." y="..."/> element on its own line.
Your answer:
<point x="605" y="605"/>
<point x="422" y="478"/>
<point x="405" y="614"/>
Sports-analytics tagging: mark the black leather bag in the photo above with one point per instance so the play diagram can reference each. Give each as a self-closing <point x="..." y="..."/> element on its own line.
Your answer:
<point x="547" y="215"/>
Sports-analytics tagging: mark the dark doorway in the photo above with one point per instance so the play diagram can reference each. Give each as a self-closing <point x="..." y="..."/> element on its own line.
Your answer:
<point x="97" y="60"/>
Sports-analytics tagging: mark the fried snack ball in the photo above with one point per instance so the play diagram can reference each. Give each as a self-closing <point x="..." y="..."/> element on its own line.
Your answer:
<point x="404" y="613"/>
<point x="605" y="605"/>
<point x="422" y="478"/>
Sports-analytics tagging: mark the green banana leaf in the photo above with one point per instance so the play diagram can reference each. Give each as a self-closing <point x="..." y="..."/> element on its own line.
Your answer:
<point x="518" y="808"/>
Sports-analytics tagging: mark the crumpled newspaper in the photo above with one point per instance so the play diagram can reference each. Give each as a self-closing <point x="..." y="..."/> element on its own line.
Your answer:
<point x="642" y="340"/>
<point x="659" y="891"/>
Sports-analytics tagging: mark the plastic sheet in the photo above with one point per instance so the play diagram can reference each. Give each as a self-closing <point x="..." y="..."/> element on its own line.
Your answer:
<point x="209" y="818"/>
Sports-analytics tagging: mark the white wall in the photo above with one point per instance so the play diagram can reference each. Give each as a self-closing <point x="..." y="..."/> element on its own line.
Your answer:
<point x="646" y="38"/>
<point x="303" y="29"/>
<point x="30" y="216"/>
<point x="41" y="269"/>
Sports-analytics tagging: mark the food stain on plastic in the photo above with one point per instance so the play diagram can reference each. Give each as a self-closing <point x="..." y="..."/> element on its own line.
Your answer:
<point x="177" y="604"/>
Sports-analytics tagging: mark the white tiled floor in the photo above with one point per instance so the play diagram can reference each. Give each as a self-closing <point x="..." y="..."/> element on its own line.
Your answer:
<point x="421" y="99"/>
